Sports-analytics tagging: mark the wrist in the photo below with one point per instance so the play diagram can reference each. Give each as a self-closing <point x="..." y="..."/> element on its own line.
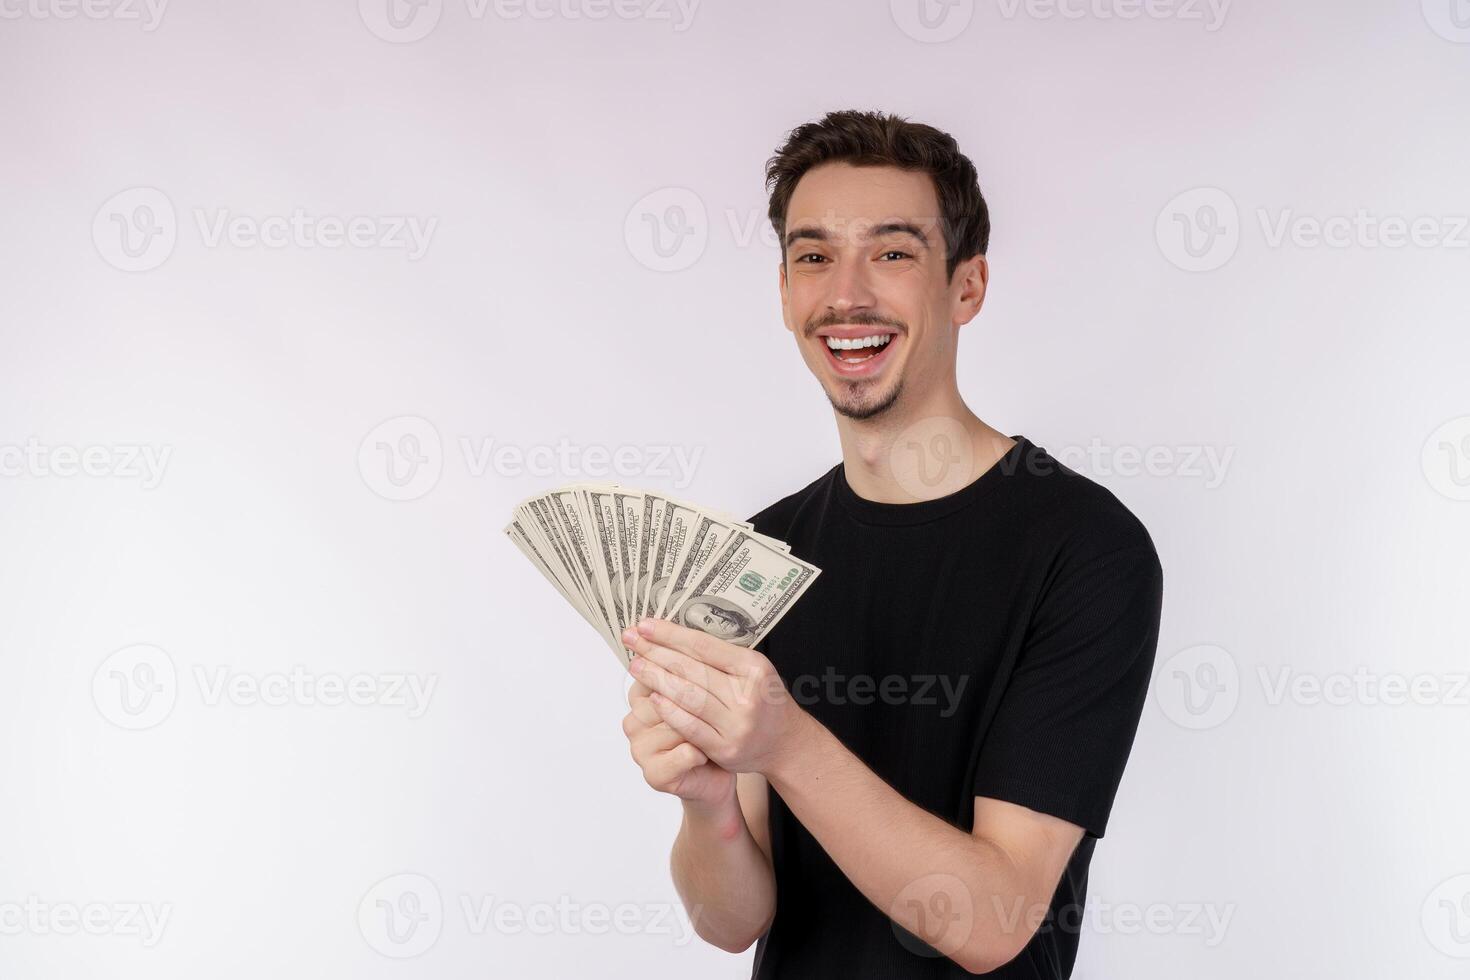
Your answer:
<point x="793" y="753"/>
<point x="717" y="815"/>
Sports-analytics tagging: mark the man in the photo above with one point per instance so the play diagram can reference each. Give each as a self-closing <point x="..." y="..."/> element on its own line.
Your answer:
<point x="717" y="617"/>
<point x="877" y="829"/>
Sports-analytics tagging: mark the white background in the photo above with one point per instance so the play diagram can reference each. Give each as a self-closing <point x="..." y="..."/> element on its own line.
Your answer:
<point x="1327" y="548"/>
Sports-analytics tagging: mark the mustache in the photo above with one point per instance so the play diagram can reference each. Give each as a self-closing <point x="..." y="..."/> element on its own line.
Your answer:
<point x="832" y="319"/>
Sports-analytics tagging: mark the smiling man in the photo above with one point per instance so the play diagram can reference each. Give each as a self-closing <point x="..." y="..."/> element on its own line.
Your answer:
<point x="880" y="834"/>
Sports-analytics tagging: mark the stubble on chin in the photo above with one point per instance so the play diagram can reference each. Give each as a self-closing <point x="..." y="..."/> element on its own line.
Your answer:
<point x="862" y="407"/>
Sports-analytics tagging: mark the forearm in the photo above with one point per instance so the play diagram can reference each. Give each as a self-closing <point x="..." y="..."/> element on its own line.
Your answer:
<point x="723" y="876"/>
<point x="961" y="894"/>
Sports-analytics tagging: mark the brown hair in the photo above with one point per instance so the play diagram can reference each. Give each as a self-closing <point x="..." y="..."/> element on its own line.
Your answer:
<point x="875" y="139"/>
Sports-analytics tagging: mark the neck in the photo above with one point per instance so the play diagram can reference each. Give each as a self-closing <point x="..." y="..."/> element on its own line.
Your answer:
<point x="887" y="458"/>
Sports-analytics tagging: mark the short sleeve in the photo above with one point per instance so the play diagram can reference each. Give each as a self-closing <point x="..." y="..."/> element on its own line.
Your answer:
<point x="1066" y="720"/>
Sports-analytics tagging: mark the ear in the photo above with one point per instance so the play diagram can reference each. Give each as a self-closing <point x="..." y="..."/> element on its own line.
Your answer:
<point x="972" y="276"/>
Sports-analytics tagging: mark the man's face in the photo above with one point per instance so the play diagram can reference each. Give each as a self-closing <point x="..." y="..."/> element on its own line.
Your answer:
<point x="865" y="265"/>
<point x="713" y="620"/>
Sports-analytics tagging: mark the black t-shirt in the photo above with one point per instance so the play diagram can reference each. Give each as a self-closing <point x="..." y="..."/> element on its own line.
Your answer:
<point x="994" y="642"/>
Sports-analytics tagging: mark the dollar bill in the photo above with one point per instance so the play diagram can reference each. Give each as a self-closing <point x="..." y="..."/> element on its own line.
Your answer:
<point x="617" y="555"/>
<point x="744" y="591"/>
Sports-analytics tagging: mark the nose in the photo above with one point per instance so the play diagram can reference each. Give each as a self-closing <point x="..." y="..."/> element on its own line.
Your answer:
<point x="850" y="289"/>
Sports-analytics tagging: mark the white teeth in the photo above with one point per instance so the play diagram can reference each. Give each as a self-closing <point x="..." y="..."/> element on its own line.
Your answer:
<point x="857" y="343"/>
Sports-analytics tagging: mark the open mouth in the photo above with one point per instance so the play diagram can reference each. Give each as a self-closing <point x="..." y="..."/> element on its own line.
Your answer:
<point x="858" y="355"/>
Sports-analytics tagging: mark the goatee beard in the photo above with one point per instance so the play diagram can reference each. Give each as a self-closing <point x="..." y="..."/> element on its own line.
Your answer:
<point x="866" y="412"/>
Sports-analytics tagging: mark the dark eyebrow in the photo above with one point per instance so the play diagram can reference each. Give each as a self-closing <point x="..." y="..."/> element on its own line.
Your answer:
<point x="888" y="228"/>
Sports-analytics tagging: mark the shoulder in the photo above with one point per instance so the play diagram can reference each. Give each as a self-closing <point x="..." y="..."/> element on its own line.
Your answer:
<point x="1074" y="517"/>
<point x="777" y="518"/>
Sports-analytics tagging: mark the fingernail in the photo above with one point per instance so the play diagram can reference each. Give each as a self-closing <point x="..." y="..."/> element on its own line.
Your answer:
<point x="630" y="635"/>
<point x="645" y="626"/>
<point x="636" y="664"/>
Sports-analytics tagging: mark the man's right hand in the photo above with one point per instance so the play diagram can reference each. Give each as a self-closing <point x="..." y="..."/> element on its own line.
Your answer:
<point x="669" y="763"/>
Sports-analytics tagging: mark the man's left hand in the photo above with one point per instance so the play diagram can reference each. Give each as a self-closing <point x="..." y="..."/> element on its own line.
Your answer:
<point x="726" y="700"/>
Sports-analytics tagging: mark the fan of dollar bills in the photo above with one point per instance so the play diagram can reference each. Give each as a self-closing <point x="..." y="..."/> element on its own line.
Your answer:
<point x="618" y="555"/>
